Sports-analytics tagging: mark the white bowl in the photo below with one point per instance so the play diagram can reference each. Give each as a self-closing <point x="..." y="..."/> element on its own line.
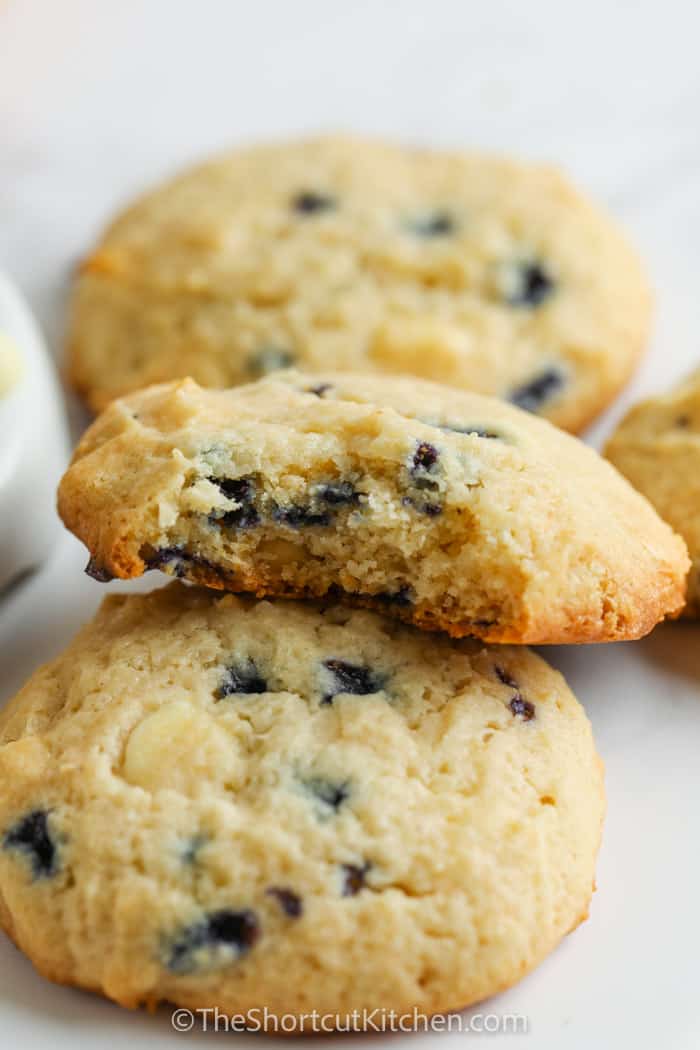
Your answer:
<point x="34" y="445"/>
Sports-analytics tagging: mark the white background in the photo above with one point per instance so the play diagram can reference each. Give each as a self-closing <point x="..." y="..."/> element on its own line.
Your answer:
<point x="97" y="99"/>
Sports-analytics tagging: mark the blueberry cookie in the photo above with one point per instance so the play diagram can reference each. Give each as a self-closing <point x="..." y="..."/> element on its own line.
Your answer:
<point x="447" y="509"/>
<point x="657" y="446"/>
<point x="224" y="803"/>
<point x="345" y="254"/>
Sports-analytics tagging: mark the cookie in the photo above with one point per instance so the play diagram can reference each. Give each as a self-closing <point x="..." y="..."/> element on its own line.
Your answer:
<point x="345" y="254"/>
<point x="447" y="509"/>
<point x="224" y="803"/>
<point x="657" y="446"/>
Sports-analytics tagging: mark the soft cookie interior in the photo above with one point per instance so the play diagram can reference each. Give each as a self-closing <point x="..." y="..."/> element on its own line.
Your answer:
<point x="450" y="511"/>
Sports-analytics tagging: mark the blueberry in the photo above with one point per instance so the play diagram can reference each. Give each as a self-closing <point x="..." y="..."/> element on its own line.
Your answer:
<point x="309" y="202"/>
<point x="507" y="679"/>
<point x="431" y="509"/>
<point x="191" y="848"/>
<point x="423" y="470"/>
<point x="351" y="678"/>
<point x="433" y="224"/>
<point x="534" y="285"/>
<point x="519" y="706"/>
<point x="297" y="517"/>
<point x="94" y="570"/>
<point x="233" y="931"/>
<point x="353" y="878"/>
<point x="31" y="836"/>
<point x="404" y="596"/>
<point x="320" y="389"/>
<point x="323" y="499"/>
<point x="337" y="493"/>
<point x="180" y="560"/>
<point x="242" y="490"/>
<point x="332" y="794"/>
<point x="238" y="928"/>
<point x="241" y="679"/>
<point x="165" y="556"/>
<point x="533" y="394"/>
<point x="239" y="489"/>
<point x="424" y="458"/>
<point x="269" y="359"/>
<point x="241" y="518"/>
<point x="522" y="708"/>
<point x="290" y="902"/>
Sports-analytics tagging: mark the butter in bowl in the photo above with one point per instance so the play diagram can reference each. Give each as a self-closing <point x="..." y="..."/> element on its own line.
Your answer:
<point x="34" y="444"/>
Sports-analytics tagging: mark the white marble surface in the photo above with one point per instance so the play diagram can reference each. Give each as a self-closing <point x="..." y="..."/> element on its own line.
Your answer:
<point x="99" y="99"/>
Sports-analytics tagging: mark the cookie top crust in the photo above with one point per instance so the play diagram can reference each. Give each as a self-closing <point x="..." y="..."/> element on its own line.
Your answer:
<point x="222" y="802"/>
<point x="447" y="509"/>
<point x="657" y="447"/>
<point x="349" y="254"/>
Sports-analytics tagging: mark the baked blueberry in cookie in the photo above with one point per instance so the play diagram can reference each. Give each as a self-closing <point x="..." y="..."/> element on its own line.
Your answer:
<point x="532" y="285"/>
<point x="310" y="203"/>
<point x="445" y="509"/>
<point x="531" y="395"/>
<point x="432" y="224"/>
<point x="518" y="704"/>
<point x="404" y="596"/>
<point x="289" y="901"/>
<point x="213" y="941"/>
<point x="337" y="493"/>
<point x="423" y="483"/>
<point x="299" y="517"/>
<point x="331" y="794"/>
<point x="424" y="459"/>
<point x="158" y="843"/>
<point x="32" y="837"/>
<point x="354" y="878"/>
<point x="344" y="677"/>
<point x="175" y="560"/>
<point x="319" y="389"/>
<point x="241" y="677"/>
<point x="95" y="571"/>
<point x="349" y="255"/>
<point x="241" y="492"/>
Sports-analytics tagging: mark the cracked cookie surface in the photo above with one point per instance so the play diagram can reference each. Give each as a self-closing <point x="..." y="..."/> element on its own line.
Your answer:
<point x="446" y="509"/>
<point x="165" y="835"/>
<point x="657" y="447"/>
<point x="344" y="254"/>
